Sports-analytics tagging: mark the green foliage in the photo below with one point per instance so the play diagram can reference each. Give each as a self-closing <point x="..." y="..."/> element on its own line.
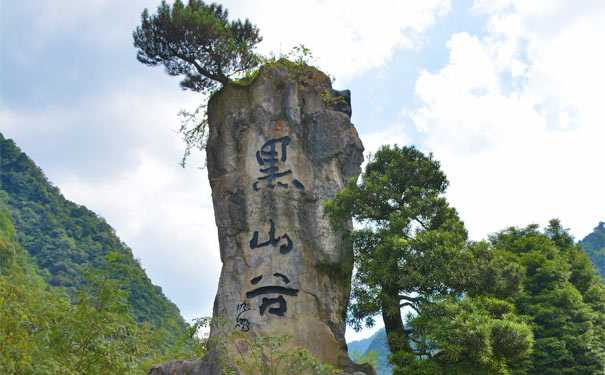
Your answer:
<point x="193" y="130"/>
<point x="197" y="41"/>
<point x="64" y="239"/>
<point x="594" y="245"/>
<point x="188" y="345"/>
<point x="41" y="332"/>
<point x="406" y="252"/>
<point x="472" y="335"/>
<point x="371" y="357"/>
<point x="563" y="298"/>
<point x="413" y="252"/>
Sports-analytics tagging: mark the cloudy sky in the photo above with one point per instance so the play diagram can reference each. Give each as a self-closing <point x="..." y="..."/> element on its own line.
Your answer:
<point x="506" y="94"/>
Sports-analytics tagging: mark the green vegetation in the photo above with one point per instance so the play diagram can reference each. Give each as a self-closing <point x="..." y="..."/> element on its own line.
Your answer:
<point x="42" y="332"/>
<point x="563" y="299"/>
<point x="410" y="240"/>
<point x="413" y="253"/>
<point x="198" y="42"/>
<point x="63" y="240"/>
<point x="594" y="245"/>
<point x="523" y="302"/>
<point x="371" y="358"/>
<point x="377" y="344"/>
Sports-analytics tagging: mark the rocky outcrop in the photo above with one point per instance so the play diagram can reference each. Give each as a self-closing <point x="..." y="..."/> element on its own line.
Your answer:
<point x="278" y="147"/>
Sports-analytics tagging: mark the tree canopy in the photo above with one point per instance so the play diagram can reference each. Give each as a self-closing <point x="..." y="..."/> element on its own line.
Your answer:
<point x="563" y="298"/>
<point x="411" y="235"/>
<point x="412" y="253"/>
<point x="41" y="332"/>
<point x="197" y="41"/>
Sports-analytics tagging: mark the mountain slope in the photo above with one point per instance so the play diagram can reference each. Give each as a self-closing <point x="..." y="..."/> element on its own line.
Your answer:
<point x="594" y="245"/>
<point x="63" y="238"/>
<point x="378" y="343"/>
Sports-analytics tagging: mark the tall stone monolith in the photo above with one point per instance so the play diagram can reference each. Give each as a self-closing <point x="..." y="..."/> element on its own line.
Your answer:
<point x="278" y="147"/>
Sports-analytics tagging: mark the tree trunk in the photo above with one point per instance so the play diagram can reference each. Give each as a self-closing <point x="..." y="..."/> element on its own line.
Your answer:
<point x="397" y="336"/>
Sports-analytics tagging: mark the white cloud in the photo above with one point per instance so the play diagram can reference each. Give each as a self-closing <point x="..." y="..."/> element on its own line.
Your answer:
<point x="516" y="119"/>
<point x="392" y="135"/>
<point x="165" y="215"/>
<point x="346" y="37"/>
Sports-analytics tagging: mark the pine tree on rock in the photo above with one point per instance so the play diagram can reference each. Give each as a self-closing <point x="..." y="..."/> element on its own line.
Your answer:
<point x="196" y="41"/>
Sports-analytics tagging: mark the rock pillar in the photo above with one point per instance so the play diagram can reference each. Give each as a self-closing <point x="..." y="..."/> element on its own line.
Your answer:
<point x="278" y="147"/>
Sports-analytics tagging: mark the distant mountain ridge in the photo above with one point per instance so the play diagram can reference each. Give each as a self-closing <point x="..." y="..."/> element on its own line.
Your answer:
<point x="63" y="238"/>
<point x="378" y="343"/>
<point x="594" y="245"/>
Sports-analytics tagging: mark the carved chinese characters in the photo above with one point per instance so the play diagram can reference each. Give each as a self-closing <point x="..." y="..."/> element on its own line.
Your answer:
<point x="275" y="153"/>
<point x="267" y="158"/>
<point x="272" y="241"/>
<point x="271" y="154"/>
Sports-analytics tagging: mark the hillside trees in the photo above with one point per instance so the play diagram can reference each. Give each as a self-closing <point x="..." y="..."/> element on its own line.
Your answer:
<point x="412" y="253"/>
<point x="563" y="298"/>
<point x="64" y="239"/>
<point x="41" y="332"/>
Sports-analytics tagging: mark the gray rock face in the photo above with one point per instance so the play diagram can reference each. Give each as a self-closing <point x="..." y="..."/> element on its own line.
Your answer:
<point x="277" y="148"/>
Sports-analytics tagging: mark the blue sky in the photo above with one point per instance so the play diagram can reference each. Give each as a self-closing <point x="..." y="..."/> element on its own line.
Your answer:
<point x="505" y="93"/>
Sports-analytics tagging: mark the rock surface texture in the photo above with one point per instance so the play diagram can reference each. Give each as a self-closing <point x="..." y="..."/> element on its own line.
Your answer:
<point x="277" y="148"/>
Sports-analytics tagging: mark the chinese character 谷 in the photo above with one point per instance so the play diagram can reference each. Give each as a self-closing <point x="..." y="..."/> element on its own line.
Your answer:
<point x="275" y="305"/>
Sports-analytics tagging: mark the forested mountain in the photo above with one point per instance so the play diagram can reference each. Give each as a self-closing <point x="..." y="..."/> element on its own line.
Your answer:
<point x="360" y="346"/>
<point x="377" y="343"/>
<point x="42" y="332"/>
<point x="63" y="239"/>
<point x="594" y="245"/>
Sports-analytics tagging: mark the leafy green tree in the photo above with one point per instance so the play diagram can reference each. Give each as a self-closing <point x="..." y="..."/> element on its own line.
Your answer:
<point x="197" y="41"/>
<point x="562" y="296"/>
<point x="99" y="335"/>
<point x="41" y="332"/>
<point x="411" y="237"/>
<point x="471" y="335"/>
<point x="412" y="252"/>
